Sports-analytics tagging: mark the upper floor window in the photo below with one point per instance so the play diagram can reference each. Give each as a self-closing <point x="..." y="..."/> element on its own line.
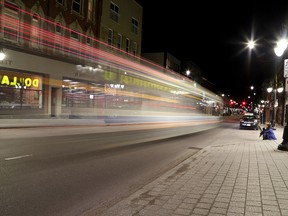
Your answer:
<point x="60" y="2"/>
<point x="135" y="49"/>
<point x="35" y="32"/>
<point x="11" y="27"/>
<point x="127" y="45"/>
<point x="76" y="6"/>
<point x="119" y="41"/>
<point x="75" y="35"/>
<point x="58" y="40"/>
<point x="134" y="27"/>
<point x="114" y="12"/>
<point x="88" y="41"/>
<point x="58" y="29"/>
<point x="110" y="37"/>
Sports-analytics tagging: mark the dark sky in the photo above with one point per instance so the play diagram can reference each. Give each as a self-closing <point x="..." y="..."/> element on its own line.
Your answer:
<point x="213" y="35"/>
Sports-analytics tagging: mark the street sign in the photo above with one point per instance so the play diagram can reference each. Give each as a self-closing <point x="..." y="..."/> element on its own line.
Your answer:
<point x="286" y="68"/>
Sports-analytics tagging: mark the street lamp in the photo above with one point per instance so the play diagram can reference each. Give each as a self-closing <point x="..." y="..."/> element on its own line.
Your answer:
<point x="279" y="50"/>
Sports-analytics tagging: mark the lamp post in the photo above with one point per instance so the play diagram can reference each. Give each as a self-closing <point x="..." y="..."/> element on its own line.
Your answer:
<point x="279" y="50"/>
<point x="252" y="101"/>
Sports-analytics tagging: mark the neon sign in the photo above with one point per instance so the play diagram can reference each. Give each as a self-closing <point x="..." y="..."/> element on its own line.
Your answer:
<point x="19" y="81"/>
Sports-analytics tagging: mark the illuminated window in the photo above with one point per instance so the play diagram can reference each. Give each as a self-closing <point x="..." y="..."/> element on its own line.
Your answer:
<point x="134" y="27"/>
<point x="110" y="37"/>
<point x="119" y="41"/>
<point x="20" y="90"/>
<point x="76" y="6"/>
<point x="114" y="12"/>
<point x="11" y="27"/>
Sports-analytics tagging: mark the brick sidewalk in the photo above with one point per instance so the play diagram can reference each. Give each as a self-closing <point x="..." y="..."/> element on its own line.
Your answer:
<point x="249" y="178"/>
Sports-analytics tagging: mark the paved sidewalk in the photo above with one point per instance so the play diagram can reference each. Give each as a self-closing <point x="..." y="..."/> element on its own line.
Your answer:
<point x="247" y="178"/>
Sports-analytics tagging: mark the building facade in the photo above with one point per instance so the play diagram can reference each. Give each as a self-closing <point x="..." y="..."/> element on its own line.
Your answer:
<point x="54" y="65"/>
<point x="121" y="28"/>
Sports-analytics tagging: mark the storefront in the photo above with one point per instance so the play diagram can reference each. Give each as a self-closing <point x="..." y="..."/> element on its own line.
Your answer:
<point x="20" y="92"/>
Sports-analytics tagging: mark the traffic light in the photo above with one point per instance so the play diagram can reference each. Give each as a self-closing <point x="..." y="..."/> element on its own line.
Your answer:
<point x="243" y="103"/>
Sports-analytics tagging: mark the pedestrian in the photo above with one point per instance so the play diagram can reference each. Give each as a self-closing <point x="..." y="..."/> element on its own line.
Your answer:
<point x="268" y="133"/>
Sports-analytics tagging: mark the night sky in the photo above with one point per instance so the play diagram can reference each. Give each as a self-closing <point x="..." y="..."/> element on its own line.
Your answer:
<point x="213" y="35"/>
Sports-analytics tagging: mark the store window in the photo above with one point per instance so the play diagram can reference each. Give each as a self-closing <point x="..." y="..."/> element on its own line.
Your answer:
<point x="76" y="93"/>
<point x="20" y="90"/>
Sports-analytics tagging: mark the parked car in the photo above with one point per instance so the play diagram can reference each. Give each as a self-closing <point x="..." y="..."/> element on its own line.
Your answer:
<point x="250" y="121"/>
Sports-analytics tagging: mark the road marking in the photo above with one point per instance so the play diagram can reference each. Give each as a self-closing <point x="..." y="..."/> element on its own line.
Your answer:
<point x="18" y="157"/>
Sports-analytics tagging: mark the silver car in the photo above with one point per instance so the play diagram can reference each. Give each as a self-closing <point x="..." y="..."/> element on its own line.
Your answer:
<point x="249" y="122"/>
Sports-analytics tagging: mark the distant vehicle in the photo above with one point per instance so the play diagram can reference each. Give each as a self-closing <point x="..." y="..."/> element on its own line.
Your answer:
<point x="249" y="121"/>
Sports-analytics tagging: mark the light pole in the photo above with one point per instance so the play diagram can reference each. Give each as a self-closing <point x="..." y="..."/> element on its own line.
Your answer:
<point x="279" y="50"/>
<point x="252" y="107"/>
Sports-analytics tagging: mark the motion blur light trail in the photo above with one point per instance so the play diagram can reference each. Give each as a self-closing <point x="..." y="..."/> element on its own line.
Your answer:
<point x="113" y="87"/>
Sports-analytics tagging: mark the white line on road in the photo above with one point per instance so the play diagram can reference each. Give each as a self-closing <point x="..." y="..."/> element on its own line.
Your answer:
<point x="18" y="157"/>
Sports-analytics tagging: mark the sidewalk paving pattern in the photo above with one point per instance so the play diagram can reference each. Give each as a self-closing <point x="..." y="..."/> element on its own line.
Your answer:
<point x="247" y="178"/>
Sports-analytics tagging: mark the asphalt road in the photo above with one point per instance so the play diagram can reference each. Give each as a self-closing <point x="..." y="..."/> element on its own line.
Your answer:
<point x="74" y="173"/>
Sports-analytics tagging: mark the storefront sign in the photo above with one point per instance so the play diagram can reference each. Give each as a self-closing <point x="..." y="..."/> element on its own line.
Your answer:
<point x="19" y="81"/>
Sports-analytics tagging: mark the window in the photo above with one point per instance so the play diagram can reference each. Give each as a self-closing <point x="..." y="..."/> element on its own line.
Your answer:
<point x="24" y="93"/>
<point x="88" y="41"/>
<point x="61" y="2"/>
<point x="110" y="37"/>
<point x="74" y="35"/>
<point x="135" y="49"/>
<point x="76" y="6"/>
<point x="58" y="41"/>
<point x="35" y="33"/>
<point x="11" y="28"/>
<point x="119" y="41"/>
<point x="114" y="12"/>
<point x="74" y="45"/>
<point x="127" y="45"/>
<point x="58" y="29"/>
<point x="134" y="26"/>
